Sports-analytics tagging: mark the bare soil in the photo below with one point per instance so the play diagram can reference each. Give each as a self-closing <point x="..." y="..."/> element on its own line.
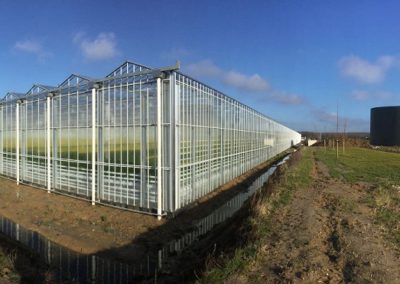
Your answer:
<point x="326" y="234"/>
<point x="74" y="223"/>
<point x="114" y="233"/>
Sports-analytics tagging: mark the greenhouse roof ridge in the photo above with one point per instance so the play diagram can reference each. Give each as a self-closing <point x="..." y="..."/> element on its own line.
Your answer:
<point x="47" y="87"/>
<point x="77" y="77"/>
<point x="126" y="65"/>
<point x="39" y="88"/>
<point x="12" y="96"/>
<point x="126" y="69"/>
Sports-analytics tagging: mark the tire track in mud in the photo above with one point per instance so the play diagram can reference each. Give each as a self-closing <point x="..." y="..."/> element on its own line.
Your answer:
<point x="355" y="245"/>
<point x="340" y="253"/>
<point x="335" y="243"/>
<point x="317" y="239"/>
<point x="304" y="239"/>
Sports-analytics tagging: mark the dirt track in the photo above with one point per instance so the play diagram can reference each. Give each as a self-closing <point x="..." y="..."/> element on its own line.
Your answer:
<point x="326" y="235"/>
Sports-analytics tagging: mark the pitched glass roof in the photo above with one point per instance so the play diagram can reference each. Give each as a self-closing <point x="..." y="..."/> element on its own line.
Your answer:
<point x="38" y="89"/>
<point x="128" y="67"/>
<point x="12" y="96"/>
<point x="74" y="80"/>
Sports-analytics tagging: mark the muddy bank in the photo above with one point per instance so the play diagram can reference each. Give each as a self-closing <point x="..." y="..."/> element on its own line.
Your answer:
<point x="18" y="265"/>
<point x="223" y="240"/>
<point x="144" y="260"/>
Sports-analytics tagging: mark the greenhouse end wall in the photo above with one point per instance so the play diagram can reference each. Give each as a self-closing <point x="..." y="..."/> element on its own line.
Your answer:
<point x="152" y="140"/>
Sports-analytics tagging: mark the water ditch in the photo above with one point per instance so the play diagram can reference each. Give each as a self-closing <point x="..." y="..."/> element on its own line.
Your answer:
<point x="71" y="266"/>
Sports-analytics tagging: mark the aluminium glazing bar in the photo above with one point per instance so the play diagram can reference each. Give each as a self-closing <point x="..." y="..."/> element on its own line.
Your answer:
<point x="174" y="112"/>
<point x="17" y="144"/>
<point x="48" y="120"/>
<point x="1" y="140"/>
<point x="94" y="146"/>
<point x="159" y="153"/>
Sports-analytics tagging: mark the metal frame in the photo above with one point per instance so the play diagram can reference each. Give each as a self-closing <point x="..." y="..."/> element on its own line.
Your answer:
<point x="152" y="140"/>
<point x="218" y="139"/>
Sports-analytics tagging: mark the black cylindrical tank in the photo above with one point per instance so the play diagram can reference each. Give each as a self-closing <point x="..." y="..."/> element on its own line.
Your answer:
<point x="385" y="126"/>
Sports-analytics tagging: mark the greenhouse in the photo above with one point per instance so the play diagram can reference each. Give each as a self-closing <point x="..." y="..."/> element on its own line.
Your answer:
<point x="147" y="139"/>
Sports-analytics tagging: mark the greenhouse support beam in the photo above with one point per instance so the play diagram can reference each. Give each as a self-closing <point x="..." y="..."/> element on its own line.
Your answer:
<point x="93" y="146"/>
<point x="48" y="139"/>
<point x="159" y="161"/>
<point x="1" y="141"/>
<point x="17" y="146"/>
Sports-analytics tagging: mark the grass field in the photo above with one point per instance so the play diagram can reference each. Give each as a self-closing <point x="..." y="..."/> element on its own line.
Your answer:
<point x="362" y="164"/>
<point x="381" y="170"/>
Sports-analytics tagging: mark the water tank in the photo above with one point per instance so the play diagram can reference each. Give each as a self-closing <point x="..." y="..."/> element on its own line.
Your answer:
<point x="385" y="126"/>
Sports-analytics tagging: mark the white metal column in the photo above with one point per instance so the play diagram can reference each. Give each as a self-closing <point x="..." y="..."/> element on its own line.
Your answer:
<point x="48" y="139"/>
<point x="17" y="146"/>
<point x="178" y="131"/>
<point x="93" y="146"/>
<point x="159" y="161"/>
<point x="1" y="140"/>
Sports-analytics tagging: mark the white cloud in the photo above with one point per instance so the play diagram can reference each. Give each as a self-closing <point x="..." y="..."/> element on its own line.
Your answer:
<point x="329" y="120"/>
<point x="364" y="71"/>
<point x="204" y="68"/>
<point x="287" y="99"/>
<point x="360" y="95"/>
<point x="325" y="116"/>
<point x="29" y="46"/>
<point x="32" y="47"/>
<point x="104" y="46"/>
<point x="251" y="84"/>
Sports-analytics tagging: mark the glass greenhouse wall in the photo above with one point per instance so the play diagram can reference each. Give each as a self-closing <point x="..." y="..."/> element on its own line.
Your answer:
<point x="152" y="140"/>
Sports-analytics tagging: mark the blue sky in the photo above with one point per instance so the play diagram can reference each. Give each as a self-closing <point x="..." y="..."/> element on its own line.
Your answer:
<point x="292" y="60"/>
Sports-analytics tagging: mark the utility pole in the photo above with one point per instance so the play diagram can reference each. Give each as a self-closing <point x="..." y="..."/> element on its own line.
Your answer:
<point x="337" y="130"/>
<point x="344" y="132"/>
<point x="337" y="119"/>
<point x="337" y="149"/>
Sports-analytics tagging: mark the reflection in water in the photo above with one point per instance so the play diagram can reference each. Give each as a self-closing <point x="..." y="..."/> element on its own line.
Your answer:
<point x="70" y="265"/>
<point x="73" y="266"/>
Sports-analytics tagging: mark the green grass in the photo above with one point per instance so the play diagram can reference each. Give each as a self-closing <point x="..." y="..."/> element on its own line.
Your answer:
<point x="361" y="164"/>
<point x="390" y="219"/>
<point x="4" y="262"/>
<point x="260" y="222"/>
<point x="382" y="171"/>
